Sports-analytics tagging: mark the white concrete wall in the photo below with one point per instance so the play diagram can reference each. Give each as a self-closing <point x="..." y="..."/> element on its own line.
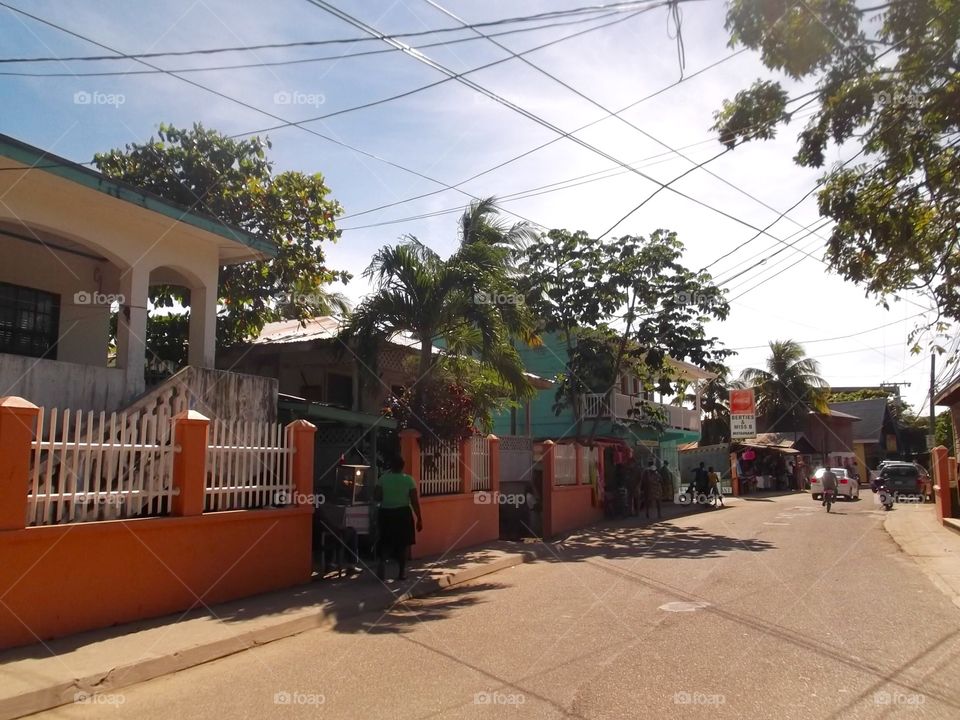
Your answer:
<point x="84" y="328"/>
<point x="49" y="383"/>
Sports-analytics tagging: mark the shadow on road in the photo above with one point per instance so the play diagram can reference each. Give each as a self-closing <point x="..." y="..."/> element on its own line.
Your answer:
<point x="663" y="541"/>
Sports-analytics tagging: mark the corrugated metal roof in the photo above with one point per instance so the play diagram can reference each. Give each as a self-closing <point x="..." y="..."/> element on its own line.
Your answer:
<point x="872" y="414"/>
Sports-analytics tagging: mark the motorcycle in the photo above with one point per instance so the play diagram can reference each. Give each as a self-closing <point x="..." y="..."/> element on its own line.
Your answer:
<point x="828" y="498"/>
<point x="887" y="496"/>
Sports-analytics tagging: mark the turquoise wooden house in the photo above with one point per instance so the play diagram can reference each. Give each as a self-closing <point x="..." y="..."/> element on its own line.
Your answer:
<point x="611" y="408"/>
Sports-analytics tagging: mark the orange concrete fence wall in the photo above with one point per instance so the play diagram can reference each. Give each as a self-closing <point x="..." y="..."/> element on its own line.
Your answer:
<point x="940" y="467"/>
<point x="61" y="579"/>
<point x="458" y="520"/>
<point x="566" y="507"/>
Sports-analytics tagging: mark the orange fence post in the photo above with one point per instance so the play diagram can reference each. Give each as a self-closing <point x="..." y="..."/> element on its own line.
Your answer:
<point x="18" y="420"/>
<point x="190" y="463"/>
<point x="941" y="482"/>
<point x="410" y="452"/>
<point x="493" y="449"/>
<point x="466" y="466"/>
<point x="549" y="477"/>
<point x="301" y="434"/>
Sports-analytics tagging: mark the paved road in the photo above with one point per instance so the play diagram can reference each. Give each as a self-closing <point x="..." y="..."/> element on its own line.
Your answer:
<point x="769" y="608"/>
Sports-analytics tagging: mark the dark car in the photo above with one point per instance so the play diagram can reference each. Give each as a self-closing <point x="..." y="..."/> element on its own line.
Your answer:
<point x="902" y="478"/>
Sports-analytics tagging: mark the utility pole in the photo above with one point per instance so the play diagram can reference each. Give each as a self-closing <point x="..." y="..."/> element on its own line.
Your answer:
<point x="933" y="391"/>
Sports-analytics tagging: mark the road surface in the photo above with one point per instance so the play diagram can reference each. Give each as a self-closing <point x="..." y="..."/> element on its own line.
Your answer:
<point x="770" y="608"/>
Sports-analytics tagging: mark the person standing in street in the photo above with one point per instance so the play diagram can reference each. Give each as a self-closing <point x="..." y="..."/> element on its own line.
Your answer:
<point x="399" y="502"/>
<point x="634" y="476"/>
<point x="666" y="481"/>
<point x="651" y="489"/>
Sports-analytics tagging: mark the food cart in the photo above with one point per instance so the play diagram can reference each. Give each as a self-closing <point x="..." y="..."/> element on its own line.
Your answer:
<point x="346" y="516"/>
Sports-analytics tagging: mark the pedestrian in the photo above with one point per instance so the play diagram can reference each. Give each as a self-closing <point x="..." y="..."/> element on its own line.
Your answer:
<point x="713" y="480"/>
<point x="397" y="494"/>
<point x="791" y="477"/>
<point x="666" y="481"/>
<point x="651" y="489"/>
<point x="700" y="482"/>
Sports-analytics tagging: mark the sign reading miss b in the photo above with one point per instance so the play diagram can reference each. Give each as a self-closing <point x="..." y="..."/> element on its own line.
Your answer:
<point x="743" y="414"/>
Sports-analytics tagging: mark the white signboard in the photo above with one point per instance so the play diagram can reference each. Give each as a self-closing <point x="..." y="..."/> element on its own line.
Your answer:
<point x="743" y="414"/>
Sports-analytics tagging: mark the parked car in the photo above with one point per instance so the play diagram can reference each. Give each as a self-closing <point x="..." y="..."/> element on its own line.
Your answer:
<point x="846" y="486"/>
<point x="903" y="478"/>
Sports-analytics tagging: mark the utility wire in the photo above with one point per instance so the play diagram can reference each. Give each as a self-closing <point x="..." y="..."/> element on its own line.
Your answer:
<point x="298" y="61"/>
<point x="593" y="9"/>
<point x="838" y="337"/>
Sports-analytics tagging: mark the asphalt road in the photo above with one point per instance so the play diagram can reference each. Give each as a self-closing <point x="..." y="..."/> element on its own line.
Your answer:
<point x="770" y="608"/>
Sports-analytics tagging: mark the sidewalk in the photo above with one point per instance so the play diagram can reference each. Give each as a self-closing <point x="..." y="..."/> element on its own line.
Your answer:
<point x="935" y="548"/>
<point x="46" y="675"/>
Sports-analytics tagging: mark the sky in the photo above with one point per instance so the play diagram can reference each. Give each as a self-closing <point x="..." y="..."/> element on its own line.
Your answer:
<point x="451" y="132"/>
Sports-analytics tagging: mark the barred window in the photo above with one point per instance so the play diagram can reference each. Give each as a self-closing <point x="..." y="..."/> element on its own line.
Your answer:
<point x="29" y="321"/>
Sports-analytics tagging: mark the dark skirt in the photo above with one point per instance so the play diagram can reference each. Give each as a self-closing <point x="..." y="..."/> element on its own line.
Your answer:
<point x="396" y="527"/>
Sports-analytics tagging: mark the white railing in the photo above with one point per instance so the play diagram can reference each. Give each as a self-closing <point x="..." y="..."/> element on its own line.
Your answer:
<point x="440" y="469"/>
<point x="599" y="405"/>
<point x="87" y="467"/>
<point x="480" y="462"/>
<point x="565" y="465"/>
<point x="248" y="466"/>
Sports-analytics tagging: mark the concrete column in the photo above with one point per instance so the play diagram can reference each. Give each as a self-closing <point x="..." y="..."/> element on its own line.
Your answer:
<point x="549" y="478"/>
<point x="190" y="463"/>
<point x="302" y="434"/>
<point x="493" y="448"/>
<point x="941" y="482"/>
<point x="18" y="421"/>
<point x="201" y="351"/>
<point x="410" y="452"/>
<point x="734" y="476"/>
<point x="132" y="327"/>
<point x="466" y="466"/>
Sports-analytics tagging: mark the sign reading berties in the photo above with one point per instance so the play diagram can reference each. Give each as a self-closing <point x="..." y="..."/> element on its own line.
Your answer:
<point x="743" y="414"/>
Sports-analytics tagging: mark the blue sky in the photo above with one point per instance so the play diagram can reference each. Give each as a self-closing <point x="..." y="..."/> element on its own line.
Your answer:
<point x="450" y="132"/>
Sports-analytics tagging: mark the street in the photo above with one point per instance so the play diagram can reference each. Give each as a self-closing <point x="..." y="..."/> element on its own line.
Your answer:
<point x="769" y="608"/>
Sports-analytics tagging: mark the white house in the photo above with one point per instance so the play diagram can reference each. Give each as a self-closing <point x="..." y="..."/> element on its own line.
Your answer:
<point x="73" y="244"/>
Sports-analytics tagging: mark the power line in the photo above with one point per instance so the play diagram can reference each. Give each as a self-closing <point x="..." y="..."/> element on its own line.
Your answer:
<point x="839" y="337"/>
<point x="593" y="9"/>
<point x="299" y="61"/>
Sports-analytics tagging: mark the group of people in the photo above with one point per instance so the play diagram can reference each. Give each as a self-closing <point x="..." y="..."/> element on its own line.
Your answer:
<point x="646" y="486"/>
<point x="706" y="482"/>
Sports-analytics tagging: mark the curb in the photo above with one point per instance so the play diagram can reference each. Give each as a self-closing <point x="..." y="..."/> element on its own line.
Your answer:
<point x="929" y="573"/>
<point x="66" y="693"/>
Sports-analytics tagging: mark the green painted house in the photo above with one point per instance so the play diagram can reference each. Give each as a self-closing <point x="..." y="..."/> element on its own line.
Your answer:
<point x="610" y="409"/>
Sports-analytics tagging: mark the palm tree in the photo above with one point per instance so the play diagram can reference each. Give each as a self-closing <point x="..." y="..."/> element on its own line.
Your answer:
<point x="714" y="407"/>
<point x="788" y="387"/>
<point x="468" y="302"/>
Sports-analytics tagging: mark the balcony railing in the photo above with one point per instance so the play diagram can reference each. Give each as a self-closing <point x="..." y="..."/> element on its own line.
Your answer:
<point x="617" y="406"/>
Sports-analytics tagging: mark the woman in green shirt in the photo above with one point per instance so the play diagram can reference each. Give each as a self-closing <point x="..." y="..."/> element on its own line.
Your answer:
<point x="397" y="494"/>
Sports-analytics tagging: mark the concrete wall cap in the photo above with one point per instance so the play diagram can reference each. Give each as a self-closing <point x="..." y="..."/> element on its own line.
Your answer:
<point x="191" y="415"/>
<point x="16" y="403"/>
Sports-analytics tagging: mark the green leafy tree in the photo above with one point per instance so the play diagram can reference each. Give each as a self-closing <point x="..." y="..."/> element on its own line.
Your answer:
<point x="624" y="304"/>
<point x="232" y="180"/>
<point x="886" y="77"/>
<point x="944" y="432"/>
<point x="467" y="303"/>
<point x="788" y="387"/>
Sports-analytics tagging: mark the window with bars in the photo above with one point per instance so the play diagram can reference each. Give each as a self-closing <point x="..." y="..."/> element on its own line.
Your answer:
<point x="29" y="321"/>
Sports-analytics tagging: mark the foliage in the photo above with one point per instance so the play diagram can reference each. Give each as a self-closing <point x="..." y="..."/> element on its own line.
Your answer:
<point x="715" y="407"/>
<point x="625" y="304"/>
<point x="232" y="181"/>
<point x="886" y="78"/>
<point x="467" y="303"/>
<point x="449" y="415"/>
<point x="788" y="387"/>
<point x="944" y="432"/>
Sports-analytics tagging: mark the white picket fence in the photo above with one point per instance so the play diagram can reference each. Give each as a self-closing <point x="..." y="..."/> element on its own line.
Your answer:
<point x="92" y="467"/>
<point x="440" y="469"/>
<point x="480" y="462"/>
<point x="565" y="464"/>
<point x="249" y="465"/>
<point x="589" y="458"/>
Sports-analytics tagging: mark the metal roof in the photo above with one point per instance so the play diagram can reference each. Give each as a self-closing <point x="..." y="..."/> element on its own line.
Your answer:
<point x="872" y="414"/>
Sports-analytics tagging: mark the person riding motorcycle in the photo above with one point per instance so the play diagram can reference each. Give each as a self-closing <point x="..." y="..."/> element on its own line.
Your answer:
<point x="829" y="483"/>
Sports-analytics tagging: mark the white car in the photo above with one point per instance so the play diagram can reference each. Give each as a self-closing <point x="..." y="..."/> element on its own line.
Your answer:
<point x="846" y="486"/>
